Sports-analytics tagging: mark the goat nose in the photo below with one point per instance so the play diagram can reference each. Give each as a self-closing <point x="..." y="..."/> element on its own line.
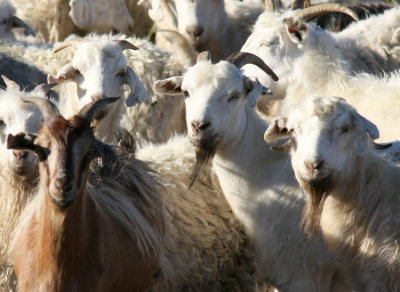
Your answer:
<point x="95" y="97"/>
<point x="194" y="30"/>
<point x="63" y="183"/>
<point x="20" y="154"/>
<point x="200" y="126"/>
<point x="314" y="165"/>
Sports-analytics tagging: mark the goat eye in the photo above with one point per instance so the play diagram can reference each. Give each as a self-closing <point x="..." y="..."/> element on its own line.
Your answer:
<point x="2" y="123"/>
<point x="233" y="97"/>
<point x="345" y="129"/>
<point x="92" y="151"/>
<point x="185" y="93"/>
<point x="121" y="73"/>
<point x="77" y="72"/>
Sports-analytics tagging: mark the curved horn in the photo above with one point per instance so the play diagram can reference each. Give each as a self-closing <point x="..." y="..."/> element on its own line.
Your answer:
<point x="297" y="4"/>
<point x="379" y="146"/>
<point x="46" y="107"/>
<point x="282" y="147"/>
<point x="240" y="59"/>
<point x="125" y="45"/>
<point x="71" y="43"/>
<point x="204" y="56"/>
<point x="313" y="12"/>
<point x="89" y="111"/>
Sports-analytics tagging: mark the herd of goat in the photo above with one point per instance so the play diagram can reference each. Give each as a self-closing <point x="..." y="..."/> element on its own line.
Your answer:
<point x="199" y="145"/>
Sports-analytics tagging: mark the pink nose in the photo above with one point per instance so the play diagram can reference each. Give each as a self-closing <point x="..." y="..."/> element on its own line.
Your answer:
<point x="314" y="165"/>
<point x="194" y="30"/>
<point x="200" y="126"/>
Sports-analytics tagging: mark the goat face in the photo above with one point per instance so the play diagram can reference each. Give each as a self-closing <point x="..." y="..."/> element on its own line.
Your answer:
<point x="328" y="136"/>
<point x="15" y="117"/>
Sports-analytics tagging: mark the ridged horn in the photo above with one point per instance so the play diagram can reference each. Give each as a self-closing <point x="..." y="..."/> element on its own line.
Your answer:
<point x="125" y="45"/>
<point x="204" y="56"/>
<point x="282" y="147"/>
<point x="239" y="59"/>
<point x="46" y="107"/>
<point x="313" y="12"/>
<point x="89" y="111"/>
<point x="70" y="43"/>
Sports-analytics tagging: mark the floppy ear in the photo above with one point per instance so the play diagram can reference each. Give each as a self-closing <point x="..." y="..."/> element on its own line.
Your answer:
<point x="138" y="91"/>
<point x="363" y="137"/>
<point x="171" y="86"/>
<point x="108" y="157"/>
<point x="66" y="73"/>
<point x="25" y="141"/>
<point x="278" y="129"/>
<point x="254" y="90"/>
<point x="17" y="22"/>
<point x="297" y="29"/>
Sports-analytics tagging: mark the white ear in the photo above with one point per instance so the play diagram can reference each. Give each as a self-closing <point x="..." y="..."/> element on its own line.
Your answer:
<point x="66" y="73"/>
<point x="82" y="12"/>
<point x="297" y="29"/>
<point x="171" y="86"/>
<point x="362" y="141"/>
<point x="255" y="89"/>
<point x="278" y="129"/>
<point x="138" y="91"/>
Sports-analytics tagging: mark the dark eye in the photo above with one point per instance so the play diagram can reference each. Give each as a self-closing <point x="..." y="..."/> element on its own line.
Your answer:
<point x="92" y="151"/>
<point x="77" y="72"/>
<point x="345" y="129"/>
<point x="185" y="93"/>
<point x="121" y="73"/>
<point x="2" y="123"/>
<point x="233" y="97"/>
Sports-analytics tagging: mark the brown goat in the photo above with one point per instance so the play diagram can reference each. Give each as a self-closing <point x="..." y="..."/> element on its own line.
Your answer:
<point x="87" y="229"/>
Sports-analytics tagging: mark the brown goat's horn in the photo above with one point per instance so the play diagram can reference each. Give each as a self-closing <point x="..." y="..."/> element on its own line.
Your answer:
<point x="282" y="147"/>
<point x="240" y="59"/>
<point x="272" y="5"/>
<point x="71" y="43"/>
<point x="204" y="56"/>
<point x="313" y="12"/>
<point x="46" y="107"/>
<point x="379" y="146"/>
<point x="125" y="45"/>
<point x="89" y="111"/>
<point x="297" y="4"/>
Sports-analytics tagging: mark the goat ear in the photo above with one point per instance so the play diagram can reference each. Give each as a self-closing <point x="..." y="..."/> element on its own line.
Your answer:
<point x="66" y="73"/>
<point x="138" y="91"/>
<point x="254" y="90"/>
<point x="297" y="29"/>
<point x="17" y="22"/>
<point x="171" y="86"/>
<point x="11" y="83"/>
<point x="362" y="141"/>
<point x="108" y="157"/>
<point x="25" y="141"/>
<point x="278" y="129"/>
<point x="82" y="12"/>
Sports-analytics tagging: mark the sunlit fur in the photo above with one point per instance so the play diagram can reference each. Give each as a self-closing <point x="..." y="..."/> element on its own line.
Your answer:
<point x="119" y="227"/>
<point x="359" y="215"/>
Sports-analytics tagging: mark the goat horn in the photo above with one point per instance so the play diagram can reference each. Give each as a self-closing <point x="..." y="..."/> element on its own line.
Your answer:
<point x="125" y="45"/>
<point x="204" y="56"/>
<point x="272" y="5"/>
<point x="379" y="146"/>
<point x="297" y="4"/>
<point x="89" y="111"/>
<point x="282" y="147"/>
<point x="71" y="43"/>
<point x="46" y="107"/>
<point x="313" y="12"/>
<point x="239" y="59"/>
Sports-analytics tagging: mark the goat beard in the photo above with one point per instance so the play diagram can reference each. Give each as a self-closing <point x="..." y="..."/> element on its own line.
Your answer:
<point x="317" y="192"/>
<point x="203" y="156"/>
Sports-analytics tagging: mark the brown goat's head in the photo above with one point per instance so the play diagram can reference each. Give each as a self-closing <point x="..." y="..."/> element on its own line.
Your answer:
<point x="65" y="149"/>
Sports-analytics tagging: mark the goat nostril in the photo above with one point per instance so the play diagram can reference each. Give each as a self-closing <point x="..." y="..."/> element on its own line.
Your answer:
<point x="95" y="97"/>
<point x="314" y="165"/>
<point x="318" y="165"/>
<point x="195" y="125"/>
<point x="195" y="30"/>
<point x="204" y="126"/>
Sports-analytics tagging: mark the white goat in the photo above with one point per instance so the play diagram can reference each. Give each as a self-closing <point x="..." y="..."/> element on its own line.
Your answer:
<point x="354" y="195"/>
<point x="99" y="69"/>
<point x="18" y="169"/>
<point x="218" y="26"/>
<point x="222" y="123"/>
<point x="8" y="21"/>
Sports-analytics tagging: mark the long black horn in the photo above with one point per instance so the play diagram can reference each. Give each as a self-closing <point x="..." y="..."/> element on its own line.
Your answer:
<point x="312" y="12"/>
<point x="89" y="111"/>
<point x="240" y="59"/>
<point x="379" y="146"/>
<point x="46" y="107"/>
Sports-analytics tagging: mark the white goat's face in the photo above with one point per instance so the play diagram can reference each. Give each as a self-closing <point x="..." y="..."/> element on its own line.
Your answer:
<point x="278" y="40"/>
<point x="17" y="116"/>
<point x="327" y="137"/>
<point x="102" y="16"/>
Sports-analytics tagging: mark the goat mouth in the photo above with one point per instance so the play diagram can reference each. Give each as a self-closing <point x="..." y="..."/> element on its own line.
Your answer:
<point x="62" y="203"/>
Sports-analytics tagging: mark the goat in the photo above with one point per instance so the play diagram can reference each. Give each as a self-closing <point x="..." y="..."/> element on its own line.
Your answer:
<point x="86" y="229"/>
<point x="353" y="193"/>
<point x="223" y="126"/>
